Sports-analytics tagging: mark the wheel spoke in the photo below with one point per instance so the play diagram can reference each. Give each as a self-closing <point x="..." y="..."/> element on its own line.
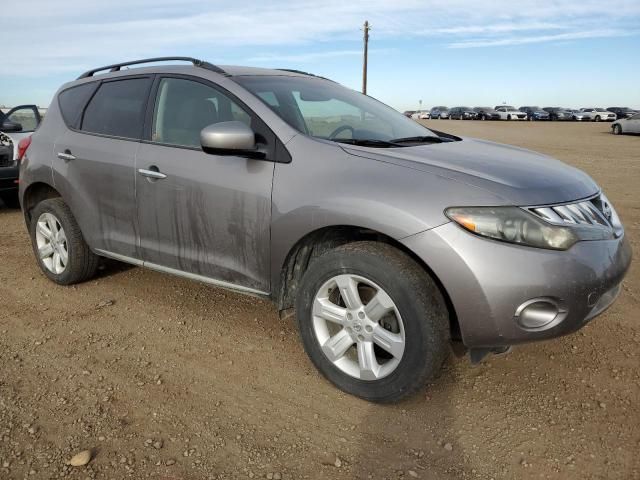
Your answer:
<point x="378" y="306"/>
<point x="43" y="229"/>
<point x="335" y="347"/>
<point x="329" y="311"/>
<point x="52" y="223"/>
<point x="56" y="263"/>
<point x="389" y="341"/>
<point x="349" y="291"/>
<point x="64" y="256"/>
<point x="369" y="368"/>
<point x="61" y="236"/>
<point x="45" y="251"/>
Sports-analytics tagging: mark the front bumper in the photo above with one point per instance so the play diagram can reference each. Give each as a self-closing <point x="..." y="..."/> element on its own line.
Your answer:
<point x="487" y="281"/>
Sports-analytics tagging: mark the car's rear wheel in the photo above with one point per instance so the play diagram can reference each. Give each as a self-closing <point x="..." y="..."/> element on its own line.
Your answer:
<point x="372" y="321"/>
<point x="60" y="249"/>
<point x="617" y="130"/>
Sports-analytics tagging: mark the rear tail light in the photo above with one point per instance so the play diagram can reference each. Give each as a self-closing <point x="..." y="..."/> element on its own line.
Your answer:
<point x="22" y="147"/>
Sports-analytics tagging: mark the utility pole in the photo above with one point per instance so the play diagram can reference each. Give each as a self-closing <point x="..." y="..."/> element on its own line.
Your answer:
<point x="367" y="27"/>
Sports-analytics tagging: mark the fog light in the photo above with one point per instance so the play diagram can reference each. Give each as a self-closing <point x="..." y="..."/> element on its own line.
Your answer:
<point x="537" y="313"/>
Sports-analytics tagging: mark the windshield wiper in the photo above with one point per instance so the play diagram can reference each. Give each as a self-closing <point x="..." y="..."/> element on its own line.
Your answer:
<point x="423" y="139"/>
<point x="367" y="142"/>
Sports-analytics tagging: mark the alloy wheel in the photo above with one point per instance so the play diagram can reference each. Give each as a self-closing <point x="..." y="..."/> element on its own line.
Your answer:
<point x="51" y="240"/>
<point x="358" y="327"/>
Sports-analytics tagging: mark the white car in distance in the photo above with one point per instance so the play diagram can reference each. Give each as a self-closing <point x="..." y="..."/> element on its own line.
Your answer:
<point x="508" y="112"/>
<point x="597" y="114"/>
<point x="421" y="115"/>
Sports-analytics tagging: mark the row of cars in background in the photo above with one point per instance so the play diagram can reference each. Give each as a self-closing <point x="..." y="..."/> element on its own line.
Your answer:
<point x="16" y="126"/>
<point x="507" y="112"/>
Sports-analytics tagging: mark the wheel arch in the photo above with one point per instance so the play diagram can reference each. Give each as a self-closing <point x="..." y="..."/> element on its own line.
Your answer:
<point x="315" y="243"/>
<point x="34" y="194"/>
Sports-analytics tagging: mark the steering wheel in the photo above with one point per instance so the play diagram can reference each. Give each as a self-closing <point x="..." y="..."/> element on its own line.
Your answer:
<point x="339" y="130"/>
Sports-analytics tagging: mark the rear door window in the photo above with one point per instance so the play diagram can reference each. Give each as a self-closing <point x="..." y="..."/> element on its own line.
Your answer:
<point x="117" y="108"/>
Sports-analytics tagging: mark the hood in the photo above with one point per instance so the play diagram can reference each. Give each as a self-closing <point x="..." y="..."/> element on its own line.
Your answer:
<point x="519" y="176"/>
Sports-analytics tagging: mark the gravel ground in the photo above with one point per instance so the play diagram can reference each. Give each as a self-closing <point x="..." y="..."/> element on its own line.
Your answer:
<point x="162" y="378"/>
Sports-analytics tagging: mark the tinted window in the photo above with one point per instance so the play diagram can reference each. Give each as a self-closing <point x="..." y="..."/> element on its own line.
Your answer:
<point x="73" y="100"/>
<point x="184" y="107"/>
<point x="117" y="108"/>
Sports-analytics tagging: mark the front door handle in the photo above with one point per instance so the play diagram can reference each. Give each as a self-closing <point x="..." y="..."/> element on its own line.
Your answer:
<point x="152" y="172"/>
<point x="66" y="156"/>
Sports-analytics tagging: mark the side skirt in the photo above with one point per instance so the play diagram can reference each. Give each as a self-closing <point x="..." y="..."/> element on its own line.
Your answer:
<point x="183" y="274"/>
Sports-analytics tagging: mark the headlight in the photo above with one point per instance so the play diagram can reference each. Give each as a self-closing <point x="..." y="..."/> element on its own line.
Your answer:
<point x="515" y="225"/>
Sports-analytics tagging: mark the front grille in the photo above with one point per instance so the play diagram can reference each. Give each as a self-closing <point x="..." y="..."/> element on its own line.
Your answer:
<point x="596" y="211"/>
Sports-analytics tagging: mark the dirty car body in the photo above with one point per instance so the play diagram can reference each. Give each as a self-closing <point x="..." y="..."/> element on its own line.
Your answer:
<point x="330" y="167"/>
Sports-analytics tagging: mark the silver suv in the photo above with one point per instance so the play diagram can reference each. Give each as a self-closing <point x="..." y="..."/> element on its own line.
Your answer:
<point x="391" y="241"/>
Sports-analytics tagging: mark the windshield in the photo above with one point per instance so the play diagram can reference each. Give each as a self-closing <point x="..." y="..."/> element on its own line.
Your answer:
<point x="324" y="109"/>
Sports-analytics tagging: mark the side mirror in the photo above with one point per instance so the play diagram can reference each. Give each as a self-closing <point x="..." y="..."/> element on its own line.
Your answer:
<point x="9" y="126"/>
<point x="228" y="138"/>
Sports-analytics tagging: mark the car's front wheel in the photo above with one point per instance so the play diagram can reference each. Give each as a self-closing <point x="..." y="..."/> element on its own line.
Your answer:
<point x="58" y="244"/>
<point x="372" y="321"/>
<point x="597" y="119"/>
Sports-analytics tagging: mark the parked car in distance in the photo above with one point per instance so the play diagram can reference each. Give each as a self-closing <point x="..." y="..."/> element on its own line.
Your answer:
<point x="421" y="115"/>
<point x="598" y="114"/>
<point x="507" y="112"/>
<point x="16" y="126"/>
<point x="626" y="125"/>
<point x="387" y="239"/>
<point x="622" y="112"/>
<point x="558" y="113"/>
<point x="578" y="115"/>
<point x="439" y="113"/>
<point x="462" y="113"/>
<point x="534" y="113"/>
<point x="408" y="113"/>
<point x="486" y="113"/>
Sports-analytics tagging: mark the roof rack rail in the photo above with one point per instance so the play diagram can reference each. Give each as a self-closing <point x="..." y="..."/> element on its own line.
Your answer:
<point x="117" y="66"/>
<point x="302" y="73"/>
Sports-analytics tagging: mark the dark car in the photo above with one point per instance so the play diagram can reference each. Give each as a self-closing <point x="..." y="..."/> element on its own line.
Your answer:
<point x="16" y="127"/>
<point x="559" y="113"/>
<point x="622" y="112"/>
<point x="462" y="113"/>
<point x="487" y="113"/>
<point x="535" y="113"/>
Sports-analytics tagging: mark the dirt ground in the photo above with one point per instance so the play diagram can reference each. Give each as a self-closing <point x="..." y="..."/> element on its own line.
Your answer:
<point x="169" y="379"/>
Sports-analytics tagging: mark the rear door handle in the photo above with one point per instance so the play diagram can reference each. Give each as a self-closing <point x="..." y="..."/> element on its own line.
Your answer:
<point x="66" y="156"/>
<point x="155" y="174"/>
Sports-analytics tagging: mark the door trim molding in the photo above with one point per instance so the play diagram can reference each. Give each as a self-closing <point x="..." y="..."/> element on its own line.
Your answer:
<point x="183" y="274"/>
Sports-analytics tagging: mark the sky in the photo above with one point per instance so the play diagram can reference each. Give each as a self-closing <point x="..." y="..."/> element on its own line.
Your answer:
<point x="575" y="53"/>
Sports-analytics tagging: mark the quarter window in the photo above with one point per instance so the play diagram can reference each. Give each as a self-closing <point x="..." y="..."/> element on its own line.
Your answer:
<point x="73" y="100"/>
<point x="184" y="107"/>
<point x="117" y="108"/>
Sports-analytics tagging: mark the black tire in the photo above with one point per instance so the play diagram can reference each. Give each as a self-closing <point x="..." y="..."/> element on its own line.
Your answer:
<point x="415" y="294"/>
<point x="617" y="130"/>
<point x="597" y="119"/>
<point x="508" y="117"/>
<point x="82" y="263"/>
<point x="10" y="199"/>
